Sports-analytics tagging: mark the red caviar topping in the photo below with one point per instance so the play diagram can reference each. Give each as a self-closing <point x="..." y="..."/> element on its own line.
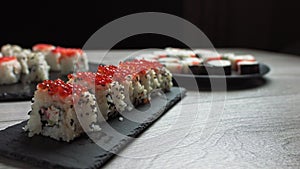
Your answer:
<point x="88" y="77"/>
<point x="60" y="87"/>
<point x="67" y="52"/>
<point x="102" y="79"/>
<point x="7" y="59"/>
<point x="107" y="70"/>
<point x="43" y="47"/>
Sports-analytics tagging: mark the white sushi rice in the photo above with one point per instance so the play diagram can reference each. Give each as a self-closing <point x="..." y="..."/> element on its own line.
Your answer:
<point x="53" y="61"/>
<point x="165" y="79"/>
<point x="219" y="63"/>
<point x="21" y="54"/>
<point x="51" y="116"/>
<point x="110" y="100"/>
<point x="10" y="50"/>
<point x="149" y="57"/>
<point x="234" y="59"/>
<point x="174" y="67"/>
<point x="76" y="63"/>
<point x="179" y="53"/>
<point x="10" y="72"/>
<point x="38" y="68"/>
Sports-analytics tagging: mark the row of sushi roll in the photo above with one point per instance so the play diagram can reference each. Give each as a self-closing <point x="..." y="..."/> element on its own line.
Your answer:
<point x="65" y="60"/>
<point x="203" y="62"/>
<point x="33" y="65"/>
<point x="95" y="96"/>
<point x="17" y="64"/>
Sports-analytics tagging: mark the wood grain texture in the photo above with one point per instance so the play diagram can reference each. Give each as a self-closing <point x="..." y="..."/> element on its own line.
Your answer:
<point x="259" y="127"/>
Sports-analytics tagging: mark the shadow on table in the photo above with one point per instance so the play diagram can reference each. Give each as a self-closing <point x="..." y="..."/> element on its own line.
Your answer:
<point x="231" y="84"/>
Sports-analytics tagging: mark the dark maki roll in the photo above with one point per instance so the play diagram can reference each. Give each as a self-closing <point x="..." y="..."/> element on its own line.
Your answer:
<point x="219" y="67"/>
<point x="248" y="67"/>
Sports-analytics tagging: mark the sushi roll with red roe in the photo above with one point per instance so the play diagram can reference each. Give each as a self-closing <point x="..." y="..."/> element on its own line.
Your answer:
<point x="132" y="79"/>
<point x="54" y="110"/>
<point x="115" y="95"/>
<point x="44" y="48"/>
<point x="10" y="70"/>
<point x="109" y="94"/>
<point x="19" y="53"/>
<point x="53" y="59"/>
<point x="152" y="74"/>
<point x="71" y="60"/>
<point x="10" y="50"/>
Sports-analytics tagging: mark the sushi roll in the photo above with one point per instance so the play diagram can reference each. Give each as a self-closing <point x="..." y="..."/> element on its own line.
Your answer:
<point x="219" y="67"/>
<point x="37" y="67"/>
<point x="109" y="94"/>
<point x="10" y="70"/>
<point x="10" y="50"/>
<point x="19" y="53"/>
<point x="189" y="64"/>
<point x="149" y="57"/>
<point x="174" y="67"/>
<point x="129" y="76"/>
<point x="160" y="54"/>
<point x="248" y="67"/>
<point x="203" y="53"/>
<point x="164" y="77"/>
<point x="147" y="72"/>
<point x="211" y="57"/>
<point x="72" y="60"/>
<point x="169" y="60"/>
<point x="53" y="111"/>
<point x="179" y="53"/>
<point x="44" y="48"/>
<point x="235" y="59"/>
<point x="227" y="56"/>
<point x="53" y="58"/>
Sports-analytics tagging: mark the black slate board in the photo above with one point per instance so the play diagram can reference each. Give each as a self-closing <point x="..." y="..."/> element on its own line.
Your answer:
<point x="24" y="92"/>
<point x="81" y="152"/>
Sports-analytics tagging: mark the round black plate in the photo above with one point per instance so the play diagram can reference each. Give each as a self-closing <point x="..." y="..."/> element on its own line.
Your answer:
<point x="264" y="69"/>
<point x="25" y="92"/>
<point x="233" y="82"/>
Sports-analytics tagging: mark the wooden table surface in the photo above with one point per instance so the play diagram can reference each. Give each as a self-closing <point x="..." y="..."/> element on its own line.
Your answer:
<point x="256" y="127"/>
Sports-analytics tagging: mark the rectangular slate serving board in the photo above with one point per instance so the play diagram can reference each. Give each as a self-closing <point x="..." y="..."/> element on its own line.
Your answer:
<point x="81" y="152"/>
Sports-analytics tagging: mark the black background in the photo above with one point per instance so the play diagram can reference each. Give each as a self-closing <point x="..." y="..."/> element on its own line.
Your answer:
<point x="259" y="24"/>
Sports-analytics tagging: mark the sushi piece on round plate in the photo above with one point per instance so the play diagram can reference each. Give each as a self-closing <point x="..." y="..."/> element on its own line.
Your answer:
<point x="247" y="67"/>
<point x="237" y="58"/>
<point x="10" y="70"/>
<point x="219" y="67"/>
<point x="189" y="64"/>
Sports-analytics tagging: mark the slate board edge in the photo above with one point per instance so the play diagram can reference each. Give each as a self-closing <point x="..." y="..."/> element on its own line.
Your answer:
<point x="137" y="131"/>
